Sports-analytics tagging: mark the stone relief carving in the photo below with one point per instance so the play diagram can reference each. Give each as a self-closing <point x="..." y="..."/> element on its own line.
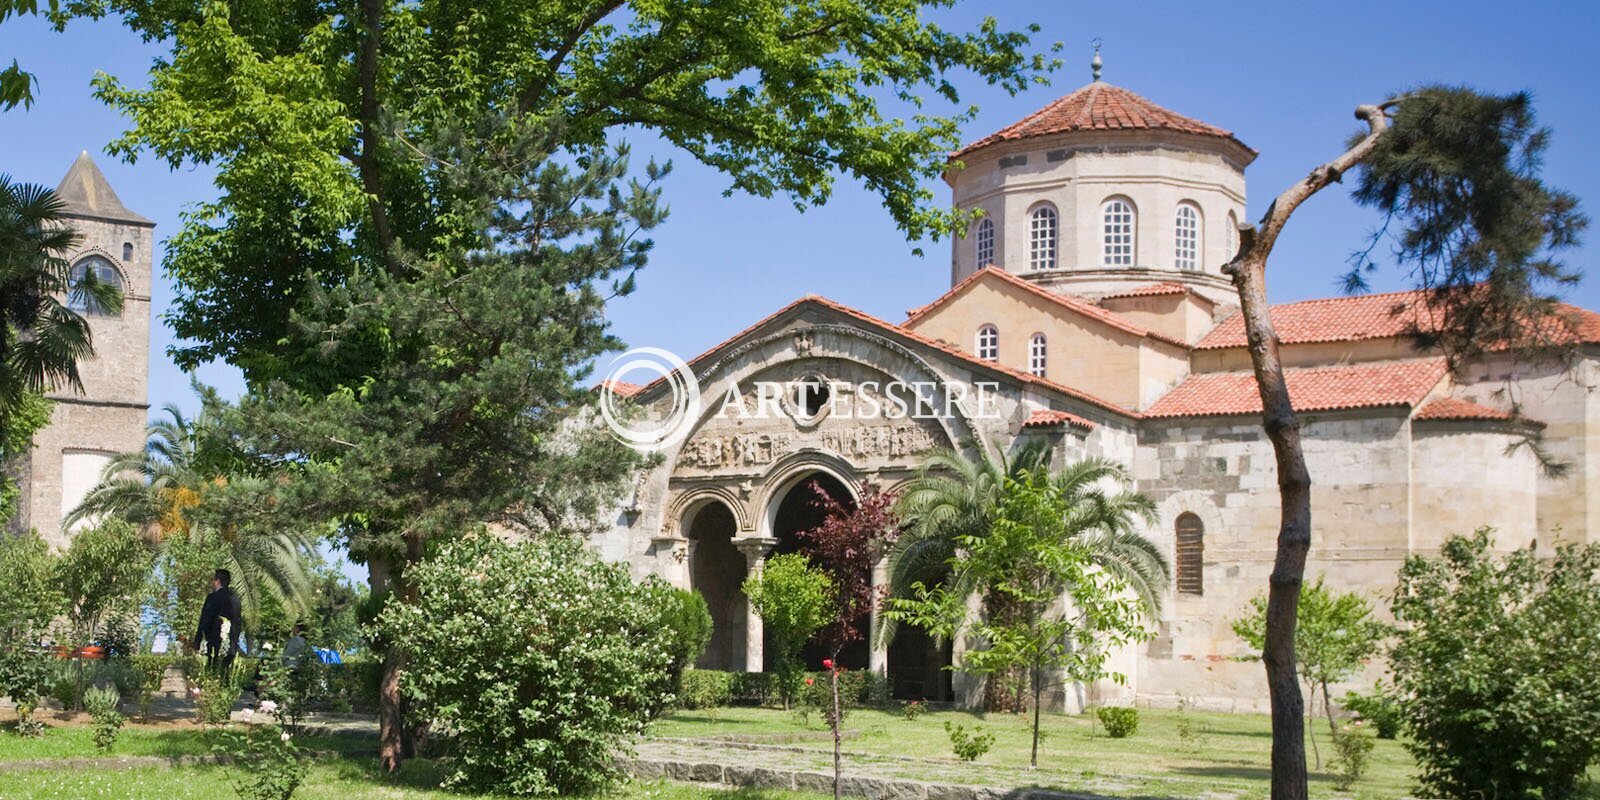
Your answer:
<point x="732" y="450"/>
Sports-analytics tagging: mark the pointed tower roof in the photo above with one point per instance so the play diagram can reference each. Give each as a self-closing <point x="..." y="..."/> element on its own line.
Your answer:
<point x="87" y="193"/>
<point x="1100" y="107"/>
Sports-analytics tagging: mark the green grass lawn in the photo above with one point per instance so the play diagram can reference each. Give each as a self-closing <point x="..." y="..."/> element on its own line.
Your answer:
<point x="346" y="779"/>
<point x="77" y="741"/>
<point x="1224" y="755"/>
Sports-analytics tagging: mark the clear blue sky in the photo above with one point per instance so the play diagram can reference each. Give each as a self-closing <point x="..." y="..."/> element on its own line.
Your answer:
<point x="1284" y="76"/>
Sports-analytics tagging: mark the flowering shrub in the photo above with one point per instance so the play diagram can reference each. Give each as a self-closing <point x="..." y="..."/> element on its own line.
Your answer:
<point x="214" y="698"/>
<point x="102" y="706"/>
<point x="267" y="764"/>
<point x="541" y="661"/>
<point x="913" y="709"/>
<point x="705" y="688"/>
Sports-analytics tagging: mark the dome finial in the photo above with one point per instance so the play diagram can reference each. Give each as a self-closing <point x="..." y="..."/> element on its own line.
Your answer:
<point x="1096" y="63"/>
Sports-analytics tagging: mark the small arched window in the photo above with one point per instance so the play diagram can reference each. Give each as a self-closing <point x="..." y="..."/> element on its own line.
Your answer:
<point x="1187" y="248"/>
<point x="127" y="252"/>
<point x="1190" y="572"/>
<point x="989" y="343"/>
<point x="1038" y="353"/>
<point x="1230" y="239"/>
<point x="983" y="243"/>
<point x="1118" y="226"/>
<point x="1043" y="230"/>
<point x="88" y="272"/>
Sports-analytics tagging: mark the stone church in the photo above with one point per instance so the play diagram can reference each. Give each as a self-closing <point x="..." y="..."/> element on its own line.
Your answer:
<point x="87" y="429"/>
<point x="1088" y="299"/>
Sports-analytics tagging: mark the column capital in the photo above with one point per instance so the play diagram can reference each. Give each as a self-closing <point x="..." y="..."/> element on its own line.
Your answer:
<point x="755" y="547"/>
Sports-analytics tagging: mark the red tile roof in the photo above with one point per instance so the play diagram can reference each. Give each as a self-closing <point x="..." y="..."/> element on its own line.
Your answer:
<point x="1394" y="383"/>
<point x="1158" y="290"/>
<point x="944" y="347"/>
<point x="1099" y="107"/>
<point x="1450" y="408"/>
<point x="1371" y="316"/>
<point x="620" y="388"/>
<point x="1048" y="418"/>
<point x="1081" y="307"/>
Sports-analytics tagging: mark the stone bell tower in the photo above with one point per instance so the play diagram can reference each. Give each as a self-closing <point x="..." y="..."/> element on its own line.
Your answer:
<point x="86" y="429"/>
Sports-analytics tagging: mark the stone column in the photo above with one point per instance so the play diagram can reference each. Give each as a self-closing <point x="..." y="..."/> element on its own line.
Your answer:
<point x="672" y="558"/>
<point x="755" y="550"/>
<point x="878" y="652"/>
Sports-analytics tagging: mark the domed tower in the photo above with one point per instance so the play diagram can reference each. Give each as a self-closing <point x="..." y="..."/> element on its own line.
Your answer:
<point x="1102" y="192"/>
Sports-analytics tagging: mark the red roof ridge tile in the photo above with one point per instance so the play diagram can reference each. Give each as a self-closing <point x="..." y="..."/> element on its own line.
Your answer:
<point x="1158" y="289"/>
<point x="1049" y="418"/>
<point x="1458" y="409"/>
<point x="1081" y="306"/>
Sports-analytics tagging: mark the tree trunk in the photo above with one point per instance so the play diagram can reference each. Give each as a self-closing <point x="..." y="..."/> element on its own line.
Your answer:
<point x="1038" y="698"/>
<point x="391" y="713"/>
<point x="1248" y="271"/>
<point x="837" y="723"/>
<point x="1294" y="531"/>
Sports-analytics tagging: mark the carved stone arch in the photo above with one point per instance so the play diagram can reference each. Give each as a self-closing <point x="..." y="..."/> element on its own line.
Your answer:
<point x="787" y="472"/>
<point x="1189" y="501"/>
<point x="689" y="501"/>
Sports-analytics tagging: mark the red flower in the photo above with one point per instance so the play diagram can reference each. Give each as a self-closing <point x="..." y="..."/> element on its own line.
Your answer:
<point x="827" y="663"/>
<point x="810" y="681"/>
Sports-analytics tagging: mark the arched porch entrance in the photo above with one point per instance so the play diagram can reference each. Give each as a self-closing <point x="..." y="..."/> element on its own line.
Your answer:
<point x="798" y="508"/>
<point x="716" y="570"/>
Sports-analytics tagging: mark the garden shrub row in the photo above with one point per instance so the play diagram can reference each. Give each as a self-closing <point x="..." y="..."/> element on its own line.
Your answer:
<point x="711" y="688"/>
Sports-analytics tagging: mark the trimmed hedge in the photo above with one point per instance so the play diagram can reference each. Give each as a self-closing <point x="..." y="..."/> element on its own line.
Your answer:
<point x="711" y="688"/>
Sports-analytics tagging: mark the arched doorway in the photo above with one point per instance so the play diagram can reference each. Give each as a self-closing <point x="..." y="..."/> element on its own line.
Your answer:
<point x="797" y="509"/>
<point x="716" y="570"/>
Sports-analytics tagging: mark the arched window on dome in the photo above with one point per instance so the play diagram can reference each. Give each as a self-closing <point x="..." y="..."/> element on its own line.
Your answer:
<point x="1038" y="354"/>
<point x="983" y="243"/>
<point x="988" y="347"/>
<point x="1186" y="252"/>
<point x="1190" y="571"/>
<point x="1119" y="224"/>
<point x="1230" y="239"/>
<point x="87" y="272"/>
<point x="1043" y="231"/>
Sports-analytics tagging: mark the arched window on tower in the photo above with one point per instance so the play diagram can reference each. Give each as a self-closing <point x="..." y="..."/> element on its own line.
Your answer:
<point x="1043" y="231"/>
<point x="1187" y="248"/>
<point x="91" y="271"/>
<point x="1038" y="354"/>
<point x="1230" y="239"/>
<point x="988" y="347"/>
<point x="983" y="243"/>
<point x="1190" y="572"/>
<point x="1118" y="227"/>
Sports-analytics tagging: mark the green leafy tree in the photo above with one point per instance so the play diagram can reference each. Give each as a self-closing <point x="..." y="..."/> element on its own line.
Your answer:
<point x="1494" y="668"/>
<point x="689" y="619"/>
<point x="310" y="113"/>
<point x="1335" y="635"/>
<point x="794" y="600"/>
<point x="42" y="338"/>
<point x="104" y="570"/>
<point x="542" y="660"/>
<point x="1035" y="554"/>
<point x="31" y="414"/>
<point x="1454" y="173"/>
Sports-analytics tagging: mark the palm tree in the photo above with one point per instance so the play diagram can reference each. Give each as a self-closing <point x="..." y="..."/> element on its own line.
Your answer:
<point x="161" y="487"/>
<point x="42" y="339"/>
<point x="956" y="496"/>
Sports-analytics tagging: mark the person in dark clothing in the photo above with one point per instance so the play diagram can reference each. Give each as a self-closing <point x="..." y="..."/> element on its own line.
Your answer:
<point x="220" y="625"/>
